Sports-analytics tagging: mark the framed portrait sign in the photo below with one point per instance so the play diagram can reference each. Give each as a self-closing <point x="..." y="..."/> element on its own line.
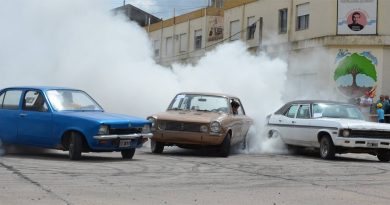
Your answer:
<point x="357" y="17"/>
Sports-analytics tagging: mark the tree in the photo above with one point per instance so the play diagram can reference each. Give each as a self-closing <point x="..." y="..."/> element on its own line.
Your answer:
<point x="355" y="64"/>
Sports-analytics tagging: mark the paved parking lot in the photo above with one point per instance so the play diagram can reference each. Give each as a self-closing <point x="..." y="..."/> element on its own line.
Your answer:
<point x="192" y="177"/>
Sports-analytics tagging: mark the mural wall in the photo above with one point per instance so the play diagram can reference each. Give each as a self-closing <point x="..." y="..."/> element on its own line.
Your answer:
<point x="356" y="73"/>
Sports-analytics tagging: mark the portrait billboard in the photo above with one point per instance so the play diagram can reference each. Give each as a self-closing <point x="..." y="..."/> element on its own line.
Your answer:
<point x="357" y="17"/>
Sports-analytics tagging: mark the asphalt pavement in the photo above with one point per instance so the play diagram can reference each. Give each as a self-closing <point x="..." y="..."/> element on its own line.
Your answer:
<point x="181" y="176"/>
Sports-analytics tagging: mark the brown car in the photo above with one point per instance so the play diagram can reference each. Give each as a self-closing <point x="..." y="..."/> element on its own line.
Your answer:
<point x="195" y="120"/>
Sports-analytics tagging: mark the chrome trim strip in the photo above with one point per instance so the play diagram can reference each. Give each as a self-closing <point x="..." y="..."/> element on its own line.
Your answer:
<point x="128" y="136"/>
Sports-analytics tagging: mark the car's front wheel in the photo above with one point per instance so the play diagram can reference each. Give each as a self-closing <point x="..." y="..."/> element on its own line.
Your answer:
<point x="128" y="154"/>
<point x="383" y="155"/>
<point x="3" y="150"/>
<point x="224" y="149"/>
<point x="75" y="146"/>
<point x="156" y="146"/>
<point x="327" y="149"/>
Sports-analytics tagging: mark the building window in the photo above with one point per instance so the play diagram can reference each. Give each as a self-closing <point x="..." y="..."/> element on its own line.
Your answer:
<point x="198" y="39"/>
<point x="156" y="47"/>
<point x="183" y="42"/>
<point x="283" y="21"/>
<point x="302" y="16"/>
<point x="234" y="30"/>
<point x="250" y="31"/>
<point x="169" y="46"/>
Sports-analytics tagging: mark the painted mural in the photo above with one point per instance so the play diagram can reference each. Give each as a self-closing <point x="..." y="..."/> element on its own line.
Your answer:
<point x="356" y="74"/>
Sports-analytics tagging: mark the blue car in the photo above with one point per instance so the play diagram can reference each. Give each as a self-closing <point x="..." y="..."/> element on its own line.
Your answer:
<point x="66" y="119"/>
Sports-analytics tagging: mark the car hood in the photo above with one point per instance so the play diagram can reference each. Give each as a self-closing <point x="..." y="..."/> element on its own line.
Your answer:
<point x="190" y="116"/>
<point x="107" y="118"/>
<point x="359" y="124"/>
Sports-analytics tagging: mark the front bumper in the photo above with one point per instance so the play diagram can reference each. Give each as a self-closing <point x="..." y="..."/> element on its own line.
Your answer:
<point x="351" y="142"/>
<point x="191" y="138"/>
<point x="123" y="137"/>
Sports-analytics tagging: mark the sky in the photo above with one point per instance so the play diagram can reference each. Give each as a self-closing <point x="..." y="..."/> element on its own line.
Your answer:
<point x="164" y="8"/>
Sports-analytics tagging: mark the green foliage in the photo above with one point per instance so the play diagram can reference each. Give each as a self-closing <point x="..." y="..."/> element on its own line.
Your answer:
<point x="355" y="64"/>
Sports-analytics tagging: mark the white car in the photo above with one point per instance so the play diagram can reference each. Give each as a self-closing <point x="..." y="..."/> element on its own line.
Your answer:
<point x="333" y="127"/>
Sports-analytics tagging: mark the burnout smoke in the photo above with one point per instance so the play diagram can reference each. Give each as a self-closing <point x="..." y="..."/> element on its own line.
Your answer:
<point x="80" y="44"/>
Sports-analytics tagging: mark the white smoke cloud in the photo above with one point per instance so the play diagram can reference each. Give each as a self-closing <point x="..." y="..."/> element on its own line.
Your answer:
<point x="79" y="44"/>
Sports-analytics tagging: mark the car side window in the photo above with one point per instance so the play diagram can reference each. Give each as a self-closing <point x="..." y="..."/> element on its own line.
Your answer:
<point x="34" y="101"/>
<point x="1" y="100"/>
<point x="292" y="111"/>
<point x="304" y="112"/>
<point x="11" y="99"/>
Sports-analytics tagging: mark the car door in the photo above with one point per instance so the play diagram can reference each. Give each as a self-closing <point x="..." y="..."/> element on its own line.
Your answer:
<point x="285" y="125"/>
<point x="246" y="121"/>
<point x="9" y="114"/>
<point x="237" y="123"/>
<point x="303" y="125"/>
<point x="35" y="121"/>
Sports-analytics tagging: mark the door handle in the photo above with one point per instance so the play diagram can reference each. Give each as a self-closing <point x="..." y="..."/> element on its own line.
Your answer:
<point x="22" y="114"/>
<point x="293" y="122"/>
<point x="280" y="120"/>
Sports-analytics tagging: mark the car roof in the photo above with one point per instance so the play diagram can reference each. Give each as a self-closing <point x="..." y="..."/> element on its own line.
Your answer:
<point x="44" y="88"/>
<point x="208" y="93"/>
<point x="286" y="106"/>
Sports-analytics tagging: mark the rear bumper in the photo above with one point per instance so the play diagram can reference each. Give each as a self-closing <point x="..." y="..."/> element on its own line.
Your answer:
<point x="124" y="137"/>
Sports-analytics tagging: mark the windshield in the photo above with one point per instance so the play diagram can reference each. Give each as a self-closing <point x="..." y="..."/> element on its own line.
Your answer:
<point x="337" y="111"/>
<point x="200" y="103"/>
<point x="71" y="100"/>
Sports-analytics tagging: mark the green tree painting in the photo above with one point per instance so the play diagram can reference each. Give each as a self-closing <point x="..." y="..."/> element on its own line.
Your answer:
<point x="353" y="65"/>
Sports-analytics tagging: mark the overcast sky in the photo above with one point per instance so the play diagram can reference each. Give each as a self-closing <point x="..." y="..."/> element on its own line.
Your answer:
<point x="164" y="8"/>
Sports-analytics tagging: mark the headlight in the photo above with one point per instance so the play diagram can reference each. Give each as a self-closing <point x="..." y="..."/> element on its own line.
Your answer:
<point x="215" y="126"/>
<point x="346" y="133"/>
<point x="153" y="121"/>
<point x="103" y="130"/>
<point x="203" y="128"/>
<point x="146" y="129"/>
<point x="162" y="125"/>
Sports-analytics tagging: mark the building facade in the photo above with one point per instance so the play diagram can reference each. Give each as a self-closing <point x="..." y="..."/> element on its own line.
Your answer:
<point x="341" y="46"/>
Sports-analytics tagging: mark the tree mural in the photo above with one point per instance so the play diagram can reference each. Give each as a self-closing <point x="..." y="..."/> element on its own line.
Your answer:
<point x="350" y="69"/>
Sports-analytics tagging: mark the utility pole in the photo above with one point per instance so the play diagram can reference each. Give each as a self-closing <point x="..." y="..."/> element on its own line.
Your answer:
<point x="124" y="2"/>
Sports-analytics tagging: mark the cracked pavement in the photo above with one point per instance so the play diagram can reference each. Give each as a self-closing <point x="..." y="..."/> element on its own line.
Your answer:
<point x="181" y="176"/>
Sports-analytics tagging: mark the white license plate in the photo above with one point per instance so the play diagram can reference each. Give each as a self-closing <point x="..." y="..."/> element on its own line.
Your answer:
<point x="124" y="143"/>
<point x="372" y="144"/>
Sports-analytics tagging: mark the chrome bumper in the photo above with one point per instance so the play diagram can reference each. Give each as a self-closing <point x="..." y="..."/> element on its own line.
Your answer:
<point x="125" y="137"/>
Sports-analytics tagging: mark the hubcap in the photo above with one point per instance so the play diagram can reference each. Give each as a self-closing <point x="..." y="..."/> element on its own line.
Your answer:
<point x="324" y="148"/>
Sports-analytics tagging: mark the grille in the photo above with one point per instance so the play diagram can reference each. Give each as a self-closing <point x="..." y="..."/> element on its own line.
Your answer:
<point x="125" y="131"/>
<point x="370" y="134"/>
<point x="182" y="126"/>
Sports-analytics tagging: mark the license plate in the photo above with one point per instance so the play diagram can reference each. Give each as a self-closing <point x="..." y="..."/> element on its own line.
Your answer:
<point x="124" y="143"/>
<point x="372" y="144"/>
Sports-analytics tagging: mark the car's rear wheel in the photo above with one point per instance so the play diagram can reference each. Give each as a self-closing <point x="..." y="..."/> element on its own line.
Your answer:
<point x="128" y="154"/>
<point x="156" y="146"/>
<point x="327" y="149"/>
<point x="383" y="155"/>
<point x="75" y="146"/>
<point x="224" y="149"/>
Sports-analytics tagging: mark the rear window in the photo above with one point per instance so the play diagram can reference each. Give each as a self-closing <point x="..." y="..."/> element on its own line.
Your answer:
<point x="11" y="99"/>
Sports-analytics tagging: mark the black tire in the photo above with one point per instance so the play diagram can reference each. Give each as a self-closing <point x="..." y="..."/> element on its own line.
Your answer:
<point x="327" y="149"/>
<point x="243" y="143"/>
<point x="224" y="149"/>
<point x="3" y="149"/>
<point x="383" y="155"/>
<point x="156" y="147"/>
<point x="128" y="154"/>
<point x="75" y="146"/>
